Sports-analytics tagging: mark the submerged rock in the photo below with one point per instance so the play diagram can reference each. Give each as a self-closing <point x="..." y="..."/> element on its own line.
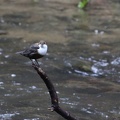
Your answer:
<point x="83" y="66"/>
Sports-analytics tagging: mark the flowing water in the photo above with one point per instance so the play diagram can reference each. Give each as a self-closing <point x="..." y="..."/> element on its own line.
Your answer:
<point x="83" y="60"/>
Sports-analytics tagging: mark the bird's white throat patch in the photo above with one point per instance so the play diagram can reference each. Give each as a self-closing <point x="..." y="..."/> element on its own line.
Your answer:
<point x="42" y="49"/>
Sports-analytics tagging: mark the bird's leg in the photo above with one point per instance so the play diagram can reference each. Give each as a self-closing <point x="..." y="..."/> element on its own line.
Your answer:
<point x="37" y="62"/>
<point x="34" y="62"/>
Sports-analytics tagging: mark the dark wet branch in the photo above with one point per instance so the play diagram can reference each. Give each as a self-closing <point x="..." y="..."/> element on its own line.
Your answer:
<point x="54" y="98"/>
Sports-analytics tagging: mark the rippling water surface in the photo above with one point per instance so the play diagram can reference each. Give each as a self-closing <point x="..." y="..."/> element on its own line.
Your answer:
<point x="83" y="60"/>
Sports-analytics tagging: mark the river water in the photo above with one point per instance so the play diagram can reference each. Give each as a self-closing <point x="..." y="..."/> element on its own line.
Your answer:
<point x="83" y="59"/>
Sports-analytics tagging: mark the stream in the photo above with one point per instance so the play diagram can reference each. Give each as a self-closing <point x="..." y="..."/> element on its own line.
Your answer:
<point x="83" y="59"/>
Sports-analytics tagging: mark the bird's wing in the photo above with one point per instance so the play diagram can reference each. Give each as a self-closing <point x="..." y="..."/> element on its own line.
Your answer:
<point x="34" y="47"/>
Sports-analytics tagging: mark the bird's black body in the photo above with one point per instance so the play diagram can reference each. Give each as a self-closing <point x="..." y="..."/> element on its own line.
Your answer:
<point x="31" y="52"/>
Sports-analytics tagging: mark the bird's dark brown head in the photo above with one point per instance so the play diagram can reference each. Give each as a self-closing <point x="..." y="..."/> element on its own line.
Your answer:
<point x="42" y="42"/>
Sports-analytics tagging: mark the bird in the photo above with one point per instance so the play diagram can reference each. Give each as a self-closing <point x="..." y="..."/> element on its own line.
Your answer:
<point x="35" y="51"/>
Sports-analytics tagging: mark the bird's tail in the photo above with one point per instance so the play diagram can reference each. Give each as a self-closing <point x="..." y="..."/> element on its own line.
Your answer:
<point x="20" y="52"/>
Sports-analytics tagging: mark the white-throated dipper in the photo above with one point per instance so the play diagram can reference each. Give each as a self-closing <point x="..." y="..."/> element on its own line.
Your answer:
<point x="35" y="51"/>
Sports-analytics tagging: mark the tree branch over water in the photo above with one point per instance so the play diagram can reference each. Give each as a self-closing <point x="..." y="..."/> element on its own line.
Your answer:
<point x="54" y="98"/>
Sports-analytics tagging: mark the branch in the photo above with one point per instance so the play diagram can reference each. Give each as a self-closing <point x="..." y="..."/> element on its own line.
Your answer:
<point x="54" y="98"/>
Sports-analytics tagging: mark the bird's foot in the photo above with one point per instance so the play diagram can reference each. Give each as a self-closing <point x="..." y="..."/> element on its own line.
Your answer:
<point x="35" y="63"/>
<point x="36" y="66"/>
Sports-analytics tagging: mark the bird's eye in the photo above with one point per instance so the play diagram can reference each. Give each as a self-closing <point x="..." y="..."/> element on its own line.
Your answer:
<point x="42" y="42"/>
